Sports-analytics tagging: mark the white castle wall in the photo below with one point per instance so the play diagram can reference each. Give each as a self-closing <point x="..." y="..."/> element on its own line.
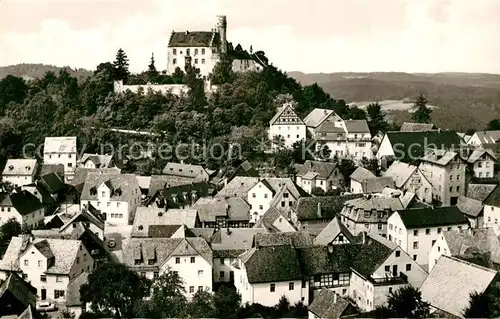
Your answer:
<point x="176" y="89"/>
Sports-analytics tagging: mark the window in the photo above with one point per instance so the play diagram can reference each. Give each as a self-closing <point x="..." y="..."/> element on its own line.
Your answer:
<point x="58" y="294"/>
<point x="449" y="228"/>
<point x="174" y="61"/>
<point x="196" y="51"/>
<point x="188" y="51"/>
<point x="439" y="230"/>
<point x="26" y="262"/>
<point x="193" y="260"/>
<point x="272" y="287"/>
<point x="253" y="195"/>
<point x="174" y="51"/>
<point x="108" y="204"/>
<point x="458" y="177"/>
<point x="398" y="253"/>
<point x="415" y="245"/>
<point x="195" y="61"/>
<point x="458" y="188"/>
<point x="39" y="263"/>
<point x="433" y="242"/>
<point x="156" y="274"/>
<point x="200" y="272"/>
<point x="143" y="274"/>
<point x="451" y="177"/>
<point x="221" y="274"/>
<point x="202" y="61"/>
<point x="77" y="260"/>
<point x="202" y="51"/>
<point x="58" y="279"/>
<point x="200" y="288"/>
<point x="261" y="207"/>
<point x="222" y="261"/>
<point x="191" y="289"/>
<point x="415" y="257"/>
<point x="415" y="232"/>
<point x="43" y="278"/>
<point x="387" y="268"/>
<point x="379" y="226"/>
<point x="265" y="195"/>
<point x="177" y="260"/>
<point x="479" y="164"/>
<point x="291" y="286"/>
<point x="428" y="231"/>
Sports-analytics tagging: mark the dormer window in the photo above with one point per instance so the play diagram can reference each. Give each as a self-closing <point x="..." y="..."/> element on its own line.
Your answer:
<point x="171" y="168"/>
<point x="93" y="191"/>
<point x="151" y="261"/>
<point x="11" y="167"/>
<point x="180" y="169"/>
<point x="137" y="261"/>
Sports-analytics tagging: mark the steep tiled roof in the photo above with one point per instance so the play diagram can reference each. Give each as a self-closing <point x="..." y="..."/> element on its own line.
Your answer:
<point x="488" y="137"/>
<point x="450" y="283"/>
<point x="377" y="184"/>
<point x="184" y="170"/>
<point x="10" y="260"/>
<point x="73" y="291"/>
<point x="143" y="181"/>
<point x="159" y="182"/>
<point x="126" y="183"/>
<point x="469" y="206"/>
<point x="22" y="291"/>
<point x="415" y="142"/>
<point x="316" y="117"/>
<point x="233" y="241"/>
<point x="245" y="169"/>
<point x="493" y="198"/>
<point x="181" y="195"/>
<point x="476" y="154"/>
<point x="400" y="172"/>
<point x="417" y="127"/>
<point x="318" y="260"/>
<point x="186" y="217"/>
<point x="81" y="173"/>
<point x="372" y="254"/>
<point x="307" y="207"/>
<point x="331" y="231"/>
<point x="328" y="304"/>
<point x="329" y="127"/>
<point x="480" y="191"/>
<point x="481" y="239"/>
<point x="439" y="157"/>
<point x="267" y="220"/>
<point x="64" y="252"/>
<point x="357" y="126"/>
<point x="24" y="202"/>
<point x="162" y="231"/>
<point x="439" y="216"/>
<point x="24" y="167"/>
<point x="61" y="144"/>
<point x="52" y="183"/>
<point x="44" y="248"/>
<point x="45" y="169"/>
<point x="100" y="161"/>
<point x="145" y="217"/>
<point x="286" y="110"/>
<point x="323" y="169"/>
<point x="86" y="215"/>
<point x="295" y="239"/>
<point x="239" y="186"/>
<point x="192" y="39"/>
<point x="234" y="208"/>
<point x="272" y="264"/>
<point x="361" y="174"/>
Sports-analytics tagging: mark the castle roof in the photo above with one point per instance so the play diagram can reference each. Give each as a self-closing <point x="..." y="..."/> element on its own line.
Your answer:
<point x="194" y="39"/>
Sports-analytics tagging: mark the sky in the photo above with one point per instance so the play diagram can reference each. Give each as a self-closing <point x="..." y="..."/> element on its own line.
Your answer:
<point x="310" y="36"/>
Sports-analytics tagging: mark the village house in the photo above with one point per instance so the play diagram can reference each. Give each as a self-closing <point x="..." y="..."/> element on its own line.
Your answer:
<point x="195" y="172"/>
<point x="286" y="127"/>
<point x="49" y="265"/>
<point x="95" y="161"/>
<point x="409" y="147"/>
<point x="445" y="170"/>
<point x="379" y="268"/>
<point x="491" y="210"/>
<point x="223" y="212"/>
<point x="244" y="169"/>
<point x="190" y="258"/>
<point x="417" y="230"/>
<point x="61" y="150"/>
<point x="15" y="296"/>
<point x="22" y="206"/>
<point x="227" y="244"/>
<point x="328" y="304"/>
<point x="482" y="138"/>
<point x="318" y="117"/>
<point x="312" y="214"/>
<point x="456" y="243"/>
<point x="116" y="196"/>
<point x="180" y="196"/>
<point x="334" y="233"/>
<point x="473" y="210"/>
<point x="365" y="182"/>
<point x="409" y="178"/>
<point x="370" y="213"/>
<point x="259" y="283"/>
<point x="90" y="217"/>
<point x="482" y="163"/>
<point x="450" y="283"/>
<point x="358" y="139"/>
<point x="274" y="222"/>
<point x="315" y="174"/>
<point x="49" y="189"/>
<point x="19" y="172"/>
<point x="331" y="135"/>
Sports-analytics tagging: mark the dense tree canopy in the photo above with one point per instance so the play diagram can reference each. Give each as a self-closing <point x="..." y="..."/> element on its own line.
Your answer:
<point x="422" y="112"/>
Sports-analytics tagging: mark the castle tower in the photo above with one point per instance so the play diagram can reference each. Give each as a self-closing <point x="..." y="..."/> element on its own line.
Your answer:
<point x="222" y="29"/>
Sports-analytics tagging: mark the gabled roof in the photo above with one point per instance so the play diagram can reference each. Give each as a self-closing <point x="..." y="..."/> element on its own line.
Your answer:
<point x="267" y="220"/>
<point x="328" y="304"/>
<point x="415" y="142"/>
<point x="480" y="191"/>
<point x="367" y="209"/>
<point x="372" y="254"/>
<point x="24" y="202"/>
<point x="125" y="183"/>
<point x="307" y="207"/>
<point x="323" y="169"/>
<point x="73" y="291"/>
<point x="476" y="154"/>
<point x="298" y="239"/>
<point x="20" y="289"/>
<point x="44" y="248"/>
<point x="356" y="126"/>
<point x="10" y="259"/>
<point x="451" y="281"/>
<point x="493" y="198"/>
<point x="464" y="241"/>
<point x="317" y="116"/>
<point x="400" y="172"/>
<point x="329" y="127"/>
<point x="331" y="231"/>
<point x="30" y="313"/>
<point x="194" y="39"/>
<point x="146" y="217"/>
<point x="239" y="186"/>
<point x="86" y="215"/>
<point x="233" y="208"/>
<point x="319" y="260"/>
<point x="100" y="161"/>
<point x="488" y="137"/>
<point x="52" y="183"/>
<point x="184" y="170"/>
<point x="82" y="172"/>
<point x="361" y="174"/>
<point x="417" y="127"/>
<point x="181" y="195"/>
<point x="231" y="242"/>
<point x="440" y="157"/>
<point x="244" y="169"/>
<point x="377" y="184"/>
<point x="23" y="167"/>
<point x="429" y="217"/>
<point x="186" y="217"/>
<point x="64" y="252"/>
<point x="272" y="264"/>
<point x="469" y="206"/>
<point x="287" y="111"/>
<point x="60" y="144"/>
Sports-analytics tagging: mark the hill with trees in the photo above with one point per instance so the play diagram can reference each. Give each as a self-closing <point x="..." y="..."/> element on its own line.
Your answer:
<point x="38" y="70"/>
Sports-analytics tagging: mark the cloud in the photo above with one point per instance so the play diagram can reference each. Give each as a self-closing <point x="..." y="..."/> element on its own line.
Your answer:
<point x="323" y="36"/>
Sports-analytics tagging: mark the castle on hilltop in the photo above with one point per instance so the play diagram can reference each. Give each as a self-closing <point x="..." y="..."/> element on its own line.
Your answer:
<point x="202" y="50"/>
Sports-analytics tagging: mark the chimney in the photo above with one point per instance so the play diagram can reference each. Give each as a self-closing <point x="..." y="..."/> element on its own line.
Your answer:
<point x="364" y="238"/>
<point x="334" y="297"/>
<point x="319" y="209"/>
<point x="228" y="231"/>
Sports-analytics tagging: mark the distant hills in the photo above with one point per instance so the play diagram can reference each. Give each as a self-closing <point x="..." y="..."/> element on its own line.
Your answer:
<point x="464" y="100"/>
<point x="30" y="70"/>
